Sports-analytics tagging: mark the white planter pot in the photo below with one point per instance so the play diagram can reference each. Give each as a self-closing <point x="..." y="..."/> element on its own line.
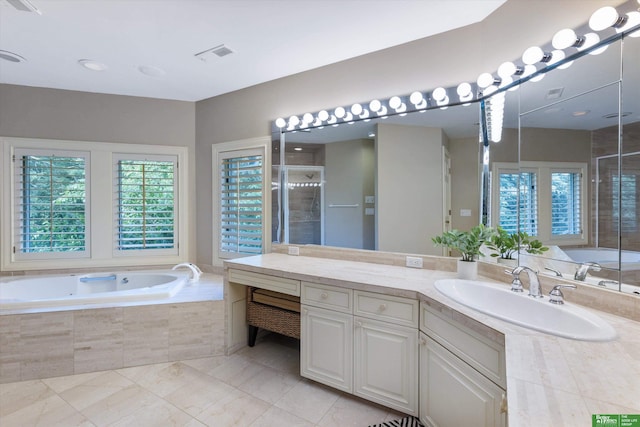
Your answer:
<point x="467" y="270"/>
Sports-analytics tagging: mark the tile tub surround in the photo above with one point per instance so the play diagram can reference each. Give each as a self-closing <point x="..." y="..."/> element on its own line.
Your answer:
<point x="72" y="340"/>
<point x="550" y="380"/>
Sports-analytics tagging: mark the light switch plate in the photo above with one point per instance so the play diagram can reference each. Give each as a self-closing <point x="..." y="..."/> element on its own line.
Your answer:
<point x="294" y="250"/>
<point x="370" y="199"/>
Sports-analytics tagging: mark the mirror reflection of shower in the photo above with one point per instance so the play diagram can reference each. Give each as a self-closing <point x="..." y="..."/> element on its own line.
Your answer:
<point x="304" y="198"/>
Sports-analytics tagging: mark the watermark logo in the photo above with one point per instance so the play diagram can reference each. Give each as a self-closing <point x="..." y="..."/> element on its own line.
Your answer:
<point x="615" y="420"/>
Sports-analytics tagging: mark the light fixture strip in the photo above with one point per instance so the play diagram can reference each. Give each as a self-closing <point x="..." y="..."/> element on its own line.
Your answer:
<point x="488" y="85"/>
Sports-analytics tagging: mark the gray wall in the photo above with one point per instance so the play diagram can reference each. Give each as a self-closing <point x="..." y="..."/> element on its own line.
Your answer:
<point x="30" y="112"/>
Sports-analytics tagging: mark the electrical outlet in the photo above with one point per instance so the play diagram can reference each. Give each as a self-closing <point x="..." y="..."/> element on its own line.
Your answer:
<point x="294" y="250"/>
<point x="414" y="262"/>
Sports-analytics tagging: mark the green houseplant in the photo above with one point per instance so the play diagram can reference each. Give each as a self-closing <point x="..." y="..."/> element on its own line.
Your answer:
<point x="468" y="243"/>
<point x="505" y="244"/>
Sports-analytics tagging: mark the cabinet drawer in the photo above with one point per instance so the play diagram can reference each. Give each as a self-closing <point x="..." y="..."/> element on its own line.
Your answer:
<point x="485" y="355"/>
<point x="331" y="297"/>
<point x="264" y="281"/>
<point x="402" y="311"/>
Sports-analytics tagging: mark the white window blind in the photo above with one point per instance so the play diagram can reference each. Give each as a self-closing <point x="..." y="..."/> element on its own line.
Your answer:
<point x="146" y="203"/>
<point x="241" y="216"/>
<point x="518" y="199"/>
<point x="629" y="217"/>
<point x="565" y="203"/>
<point x="51" y="202"/>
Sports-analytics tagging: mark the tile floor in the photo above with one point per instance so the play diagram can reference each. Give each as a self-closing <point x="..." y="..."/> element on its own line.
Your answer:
<point x="256" y="387"/>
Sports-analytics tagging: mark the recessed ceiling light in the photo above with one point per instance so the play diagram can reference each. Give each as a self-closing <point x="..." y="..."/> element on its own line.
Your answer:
<point x="580" y="113"/>
<point x="151" y="71"/>
<point x="298" y="148"/>
<point x="92" y="65"/>
<point x="10" y="56"/>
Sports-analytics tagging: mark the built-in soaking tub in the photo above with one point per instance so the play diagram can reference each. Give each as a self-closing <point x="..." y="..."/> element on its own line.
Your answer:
<point x="95" y="288"/>
<point x="605" y="257"/>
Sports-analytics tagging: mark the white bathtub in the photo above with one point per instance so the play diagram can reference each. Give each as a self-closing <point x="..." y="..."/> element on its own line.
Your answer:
<point x="95" y="288"/>
<point x="605" y="257"/>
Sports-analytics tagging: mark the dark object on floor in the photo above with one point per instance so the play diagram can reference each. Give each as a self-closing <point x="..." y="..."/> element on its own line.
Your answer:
<point x="404" y="422"/>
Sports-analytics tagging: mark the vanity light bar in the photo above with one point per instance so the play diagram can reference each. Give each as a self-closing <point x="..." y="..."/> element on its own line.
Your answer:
<point x="509" y="76"/>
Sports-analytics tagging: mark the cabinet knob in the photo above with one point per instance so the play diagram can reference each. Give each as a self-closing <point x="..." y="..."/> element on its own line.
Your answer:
<point x="358" y="324"/>
<point x="324" y="295"/>
<point x="503" y="404"/>
<point x="383" y="307"/>
<point x="423" y="341"/>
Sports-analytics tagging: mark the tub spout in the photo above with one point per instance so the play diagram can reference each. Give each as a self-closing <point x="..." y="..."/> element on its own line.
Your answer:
<point x="195" y="271"/>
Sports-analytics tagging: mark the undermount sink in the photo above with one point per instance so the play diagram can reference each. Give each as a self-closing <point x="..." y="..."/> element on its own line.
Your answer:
<point x="499" y="301"/>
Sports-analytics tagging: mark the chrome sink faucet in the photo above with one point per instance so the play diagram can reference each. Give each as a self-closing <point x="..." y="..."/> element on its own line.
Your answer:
<point x="583" y="269"/>
<point x="534" y="283"/>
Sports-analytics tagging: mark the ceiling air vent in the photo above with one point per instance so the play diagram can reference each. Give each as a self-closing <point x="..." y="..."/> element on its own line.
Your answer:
<point x="555" y="93"/>
<point x="218" y="51"/>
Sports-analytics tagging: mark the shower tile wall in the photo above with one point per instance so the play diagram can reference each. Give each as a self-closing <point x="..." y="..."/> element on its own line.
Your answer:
<point x="43" y="345"/>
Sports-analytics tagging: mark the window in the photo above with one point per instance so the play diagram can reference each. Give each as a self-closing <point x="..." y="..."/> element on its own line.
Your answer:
<point x="628" y="204"/>
<point x="241" y="217"/>
<point x="543" y="199"/>
<point x="50" y="203"/>
<point x="79" y="204"/>
<point x="145" y="192"/>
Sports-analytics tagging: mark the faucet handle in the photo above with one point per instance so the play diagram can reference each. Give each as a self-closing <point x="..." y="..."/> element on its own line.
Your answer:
<point x="553" y="270"/>
<point x="556" y="296"/>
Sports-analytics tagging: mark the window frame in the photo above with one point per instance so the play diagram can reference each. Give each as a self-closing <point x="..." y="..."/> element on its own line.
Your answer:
<point x="15" y="204"/>
<point x="543" y="171"/>
<point x="101" y="211"/>
<point x="117" y="252"/>
<point x="253" y="146"/>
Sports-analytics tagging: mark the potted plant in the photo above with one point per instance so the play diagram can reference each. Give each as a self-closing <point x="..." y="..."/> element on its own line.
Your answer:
<point x="468" y="243"/>
<point x="505" y="245"/>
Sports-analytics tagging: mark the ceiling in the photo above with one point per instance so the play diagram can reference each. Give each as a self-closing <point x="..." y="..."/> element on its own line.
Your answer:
<point x="269" y="39"/>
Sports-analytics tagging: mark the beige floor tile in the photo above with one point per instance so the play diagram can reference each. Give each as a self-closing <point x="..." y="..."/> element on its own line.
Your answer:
<point x="234" y="409"/>
<point x="236" y="370"/>
<point x="120" y="404"/>
<point x="350" y="411"/>
<point x="269" y="384"/>
<point x="308" y="400"/>
<point x="16" y="396"/>
<point x="279" y="417"/>
<point x="61" y="384"/>
<point x="162" y="379"/>
<point x="49" y="412"/>
<point x="207" y="364"/>
<point x="194" y="397"/>
<point x="96" y="389"/>
<point x="158" y="413"/>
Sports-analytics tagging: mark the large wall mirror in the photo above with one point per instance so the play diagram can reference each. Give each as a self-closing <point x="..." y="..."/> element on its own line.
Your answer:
<point x="571" y="140"/>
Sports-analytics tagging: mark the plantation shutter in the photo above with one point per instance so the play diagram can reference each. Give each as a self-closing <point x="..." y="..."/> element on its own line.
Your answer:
<point x="518" y="199"/>
<point x="241" y="215"/>
<point x="565" y="203"/>
<point x="50" y="191"/>
<point x="146" y="203"/>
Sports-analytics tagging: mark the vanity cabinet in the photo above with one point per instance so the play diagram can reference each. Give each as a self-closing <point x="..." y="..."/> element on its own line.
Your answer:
<point x="462" y="374"/>
<point x="372" y="354"/>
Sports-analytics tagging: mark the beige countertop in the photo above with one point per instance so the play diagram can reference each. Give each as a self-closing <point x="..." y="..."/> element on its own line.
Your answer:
<point x="550" y="380"/>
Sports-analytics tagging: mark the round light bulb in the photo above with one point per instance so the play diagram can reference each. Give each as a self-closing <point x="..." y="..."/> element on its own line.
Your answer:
<point x="439" y="94"/>
<point x="532" y="55"/>
<point x="307" y="118"/>
<point x="294" y="120"/>
<point x="339" y="112"/>
<point x="485" y="80"/>
<point x="557" y="56"/>
<point x="356" y="109"/>
<point x="590" y="39"/>
<point x="603" y="18"/>
<point x="280" y="122"/>
<point x="375" y="105"/>
<point x="507" y="69"/>
<point x="395" y="102"/>
<point x="416" y="98"/>
<point x="564" y="39"/>
<point x="633" y="19"/>
<point x="323" y="115"/>
<point x="463" y="90"/>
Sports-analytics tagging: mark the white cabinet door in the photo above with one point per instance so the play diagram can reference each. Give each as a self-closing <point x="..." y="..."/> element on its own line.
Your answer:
<point x="326" y="347"/>
<point x="386" y="364"/>
<point x="454" y="394"/>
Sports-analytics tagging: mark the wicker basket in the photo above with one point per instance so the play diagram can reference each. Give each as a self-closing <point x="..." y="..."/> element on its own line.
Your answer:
<point x="272" y="318"/>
